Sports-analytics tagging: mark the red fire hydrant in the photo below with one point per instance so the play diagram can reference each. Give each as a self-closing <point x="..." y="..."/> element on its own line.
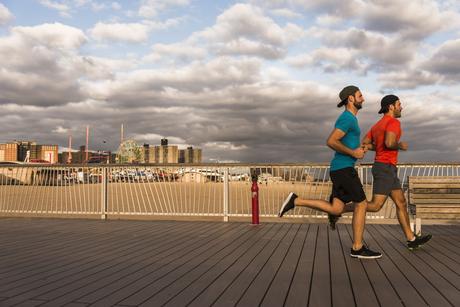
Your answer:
<point x="255" y="200"/>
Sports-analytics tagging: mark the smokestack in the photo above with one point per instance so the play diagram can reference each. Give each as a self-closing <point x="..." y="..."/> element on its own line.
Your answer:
<point x="121" y="135"/>
<point x="86" y="148"/>
<point x="69" y="158"/>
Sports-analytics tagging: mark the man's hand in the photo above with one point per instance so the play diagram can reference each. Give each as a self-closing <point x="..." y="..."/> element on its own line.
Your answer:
<point x="358" y="153"/>
<point x="402" y="146"/>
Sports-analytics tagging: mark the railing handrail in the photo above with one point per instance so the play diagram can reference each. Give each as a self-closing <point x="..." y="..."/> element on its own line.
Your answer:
<point x="205" y="164"/>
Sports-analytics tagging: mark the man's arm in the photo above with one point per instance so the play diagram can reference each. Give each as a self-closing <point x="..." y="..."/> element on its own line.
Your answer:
<point x="367" y="143"/>
<point x="391" y="143"/>
<point x="334" y="143"/>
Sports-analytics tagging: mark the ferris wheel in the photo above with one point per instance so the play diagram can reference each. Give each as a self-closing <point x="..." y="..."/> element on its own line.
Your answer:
<point x="129" y="152"/>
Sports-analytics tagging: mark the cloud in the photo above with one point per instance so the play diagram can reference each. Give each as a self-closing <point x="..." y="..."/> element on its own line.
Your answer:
<point x="414" y="20"/>
<point x="287" y="13"/>
<point x="244" y="30"/>
<point x="124" y="32"/>
<point x="151" y="8"/>
<point x="5" y="15"/>
<point x="43" y="67"/>
<point x="358" y="49"/>
<point x="129" y="32"/>
<point x="179" y="51"/>
<point x="330" y="60"/>
<point x="445" y="61"/>
<point x="62" y="8"/>
<point x="408" y="79"/>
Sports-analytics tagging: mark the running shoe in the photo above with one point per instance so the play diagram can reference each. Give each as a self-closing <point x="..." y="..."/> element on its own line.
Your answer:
<point x="419" y="241"/>
<point x="288" y="204"/>
<point x="333" y="220"/>
<point x="365" y="253"/>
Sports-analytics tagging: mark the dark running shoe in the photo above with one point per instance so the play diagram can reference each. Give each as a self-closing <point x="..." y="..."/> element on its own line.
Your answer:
<point x="419" y="241"/>
<point x="288" y="204"/>
<point x="333" y="220"/>
<point x="365" y="253"/>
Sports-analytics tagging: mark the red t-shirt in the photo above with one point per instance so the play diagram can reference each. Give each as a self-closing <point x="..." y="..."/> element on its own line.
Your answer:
<point x="377" y="137"/>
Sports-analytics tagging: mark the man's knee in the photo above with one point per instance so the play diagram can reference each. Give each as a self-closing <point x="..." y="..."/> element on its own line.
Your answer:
<point x="374" y="206"/>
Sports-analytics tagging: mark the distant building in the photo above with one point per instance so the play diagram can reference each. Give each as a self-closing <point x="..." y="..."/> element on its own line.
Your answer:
<point x="9" y="152"/>
<point x="190" y="155"/>
<point x="28" y="151"/>
<point x="166" y="153"/>
<point x="79" y="157"/>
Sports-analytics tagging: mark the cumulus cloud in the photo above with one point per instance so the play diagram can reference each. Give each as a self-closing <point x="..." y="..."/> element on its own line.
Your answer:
<point x="61" y="7"/>
<point x="408" y="79"/>
<point x="5" y="15"/>
<point x="129" y="32"/>
<point x="126" y="32"/>
<point x="412" y="20"/>
<point x="360" y="49"/>
<point x="43" y="67"/>
<point x="244" y="30"/>
<point x="445" y="61"/>
<point x="183" y="52"/>
<point x="151" y="8"/>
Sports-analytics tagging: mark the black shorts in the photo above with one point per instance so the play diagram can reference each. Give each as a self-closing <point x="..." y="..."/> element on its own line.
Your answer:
<point x="347" y="186"/>
<point x="385" y="178"/>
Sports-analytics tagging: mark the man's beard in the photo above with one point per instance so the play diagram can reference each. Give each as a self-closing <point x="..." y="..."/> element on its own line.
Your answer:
<point x="358" y="105"/>
<point x="397" y="114"/>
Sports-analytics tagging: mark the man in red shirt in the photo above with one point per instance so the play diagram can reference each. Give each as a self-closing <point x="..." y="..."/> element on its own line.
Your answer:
<point x="384" y="139"/>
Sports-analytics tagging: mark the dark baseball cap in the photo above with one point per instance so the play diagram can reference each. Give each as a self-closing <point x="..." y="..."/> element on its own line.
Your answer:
<point x="345" y="92"/>
<point x="386" y="101"/>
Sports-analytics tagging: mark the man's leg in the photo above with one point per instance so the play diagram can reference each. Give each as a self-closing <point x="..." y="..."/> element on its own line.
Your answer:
<point x="413" y="241"/>
<point x="377" y="202"/>
<point x="358" y="222"/>
<point x="401" y="210"/>
<point x="336" y="207"/>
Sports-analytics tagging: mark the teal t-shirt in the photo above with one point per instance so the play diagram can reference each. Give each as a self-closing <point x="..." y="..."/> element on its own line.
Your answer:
<point x="348" y="123"/>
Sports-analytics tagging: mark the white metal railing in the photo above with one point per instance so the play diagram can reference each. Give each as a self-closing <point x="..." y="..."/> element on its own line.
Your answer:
<point x="222" y="190"/>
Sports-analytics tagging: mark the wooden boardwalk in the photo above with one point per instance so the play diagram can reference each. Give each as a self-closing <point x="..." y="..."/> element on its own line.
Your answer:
<point x="155" y="263"/>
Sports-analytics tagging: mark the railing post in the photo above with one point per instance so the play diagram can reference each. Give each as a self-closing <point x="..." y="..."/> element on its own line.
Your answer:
<point x="104" y="193"/>
<point x="226" y="195"/>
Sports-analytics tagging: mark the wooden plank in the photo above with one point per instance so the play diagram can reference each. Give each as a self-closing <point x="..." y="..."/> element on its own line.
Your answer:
<point x="399" y="282"/>
<point x="386" y="294"/>
<point x="439" y="216"/>
<point x="320" y="291"/>
<point x="412" y="268"/>
<point x="47" y="266"/>
<point x="181" y="290"/>
<point x="216" y="287"/>
<point x="433" y="271"/>
<point x="362" y="289"/>
<point x="342" y="292"/>
<point x="434" y="196"/>
<point x="435" y="179"/>
<point x="172" y="238"/>
<point x="279" y="288"/>
<point x="95" y="264"/>
<point x="41" y="267"/>
<point x="235" y="291"/>
<point x="435" y="185"/>
<point x="438" y="201"/>
<point x="299" y="290"/>
<point x="434" y="191"/>
<point x="255" y="293"/>
<point x="163" y="264"/>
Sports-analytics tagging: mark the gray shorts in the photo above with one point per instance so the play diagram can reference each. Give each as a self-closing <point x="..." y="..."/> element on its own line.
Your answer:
<point x="385" y="178"/>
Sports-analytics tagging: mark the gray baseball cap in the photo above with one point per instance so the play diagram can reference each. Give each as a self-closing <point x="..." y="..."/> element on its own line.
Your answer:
<point x="349" y="90"/>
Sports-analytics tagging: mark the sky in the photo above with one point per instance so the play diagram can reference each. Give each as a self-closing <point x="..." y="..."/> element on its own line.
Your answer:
<point x="246" y="81"/>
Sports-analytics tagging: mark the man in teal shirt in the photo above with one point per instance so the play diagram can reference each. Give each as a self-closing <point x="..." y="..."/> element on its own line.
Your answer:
<point x="346" y="185"/>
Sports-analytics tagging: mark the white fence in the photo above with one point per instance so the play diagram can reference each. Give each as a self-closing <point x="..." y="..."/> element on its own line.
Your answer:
<point x="220" y="190"/>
